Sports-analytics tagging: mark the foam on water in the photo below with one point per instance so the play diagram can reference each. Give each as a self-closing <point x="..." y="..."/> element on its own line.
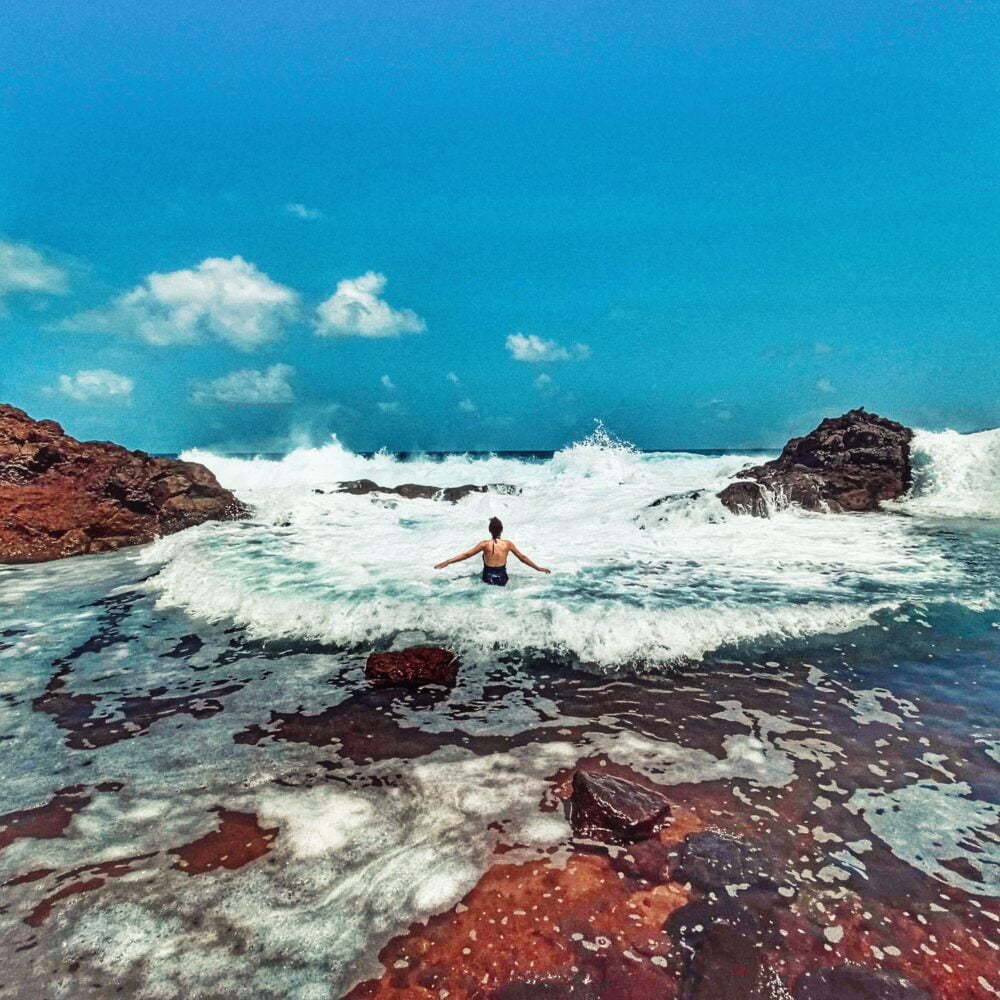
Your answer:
<point x="956" y="475"/>
<point x="630" y="583"/>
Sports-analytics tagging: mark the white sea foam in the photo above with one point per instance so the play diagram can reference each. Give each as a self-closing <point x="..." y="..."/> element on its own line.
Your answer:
<point x="956" y="475"/>
<point x="628" y="584"/>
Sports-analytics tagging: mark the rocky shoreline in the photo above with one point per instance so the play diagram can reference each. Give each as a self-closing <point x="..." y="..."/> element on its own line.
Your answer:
<point x="61" y="497"/>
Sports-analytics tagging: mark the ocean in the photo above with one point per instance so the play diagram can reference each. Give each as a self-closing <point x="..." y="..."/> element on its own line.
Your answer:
<point x="204" y="797"/>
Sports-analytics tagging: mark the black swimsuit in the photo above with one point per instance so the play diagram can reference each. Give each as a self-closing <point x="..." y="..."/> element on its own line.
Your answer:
<point x="494" y="575"/>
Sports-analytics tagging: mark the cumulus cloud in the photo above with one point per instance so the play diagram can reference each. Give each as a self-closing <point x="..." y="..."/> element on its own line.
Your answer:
<point x="467" y="406"/>
<point x="226" y="298"/>
<point x="94" y="385"/>
<point x="543" y="382"/>
<point x="387" y="383"/>
<point x="395" y="408"/>
<point x="24" y="269"/>
<point x="301" y="211"/>
<point x="249" y="387"/>
<point x="356" y="309"/>
<point x="534" y="350"/>
<point x="824" y="385"/>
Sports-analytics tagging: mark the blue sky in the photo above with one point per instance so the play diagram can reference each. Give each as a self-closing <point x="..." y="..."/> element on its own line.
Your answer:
<point x="483" y="225"/>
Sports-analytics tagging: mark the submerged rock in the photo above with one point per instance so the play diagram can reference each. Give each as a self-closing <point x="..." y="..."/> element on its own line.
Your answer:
<point x="848" y="463"/>
<point x="62" y="497"/>
<point x="415" y="491"/>
<point x="712" y="861"/>
<point x="843" y="981"/>
<point x="413" y="667"/>
<point x="605" y="807"/>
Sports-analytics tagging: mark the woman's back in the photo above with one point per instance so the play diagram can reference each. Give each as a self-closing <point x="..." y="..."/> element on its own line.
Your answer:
<point x="495" y="551"/>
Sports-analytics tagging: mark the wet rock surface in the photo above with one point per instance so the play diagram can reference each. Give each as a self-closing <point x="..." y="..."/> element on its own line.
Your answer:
<point x="713" y="862"/>
<point x="848" y="463"/>
<point x="416" y="491"/>
<point x="62" y="497"/>
<point x="606" y="807"/>
<point x="852" y="982"/>
<point x="413" y="667"/>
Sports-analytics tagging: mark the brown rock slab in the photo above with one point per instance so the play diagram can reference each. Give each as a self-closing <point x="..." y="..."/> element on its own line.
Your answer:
<point x="413" y="667"/>
<point x="62" y="497"/>
<point x="610" y="808"/>
<point x="847" y="463"/>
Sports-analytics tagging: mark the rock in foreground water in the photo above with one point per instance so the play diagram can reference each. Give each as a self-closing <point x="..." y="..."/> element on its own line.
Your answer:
<point x="62" y="497"/>
<point x="413" y="667"/>
<point x="843" y="981"/>
<point x="848" y="463"/>
<point x="605" y="807"/>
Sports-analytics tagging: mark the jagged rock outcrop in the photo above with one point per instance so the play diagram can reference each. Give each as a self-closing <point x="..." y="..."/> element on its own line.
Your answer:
<point x="62" y="497"/>
<point x="413" y="667"/>
<point x="415" y="491"/>
<point x="848" y="463"/>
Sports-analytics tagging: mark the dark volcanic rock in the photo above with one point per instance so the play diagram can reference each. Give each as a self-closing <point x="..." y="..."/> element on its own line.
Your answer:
<point x="414" y="491"/>
<point x="711" y="861"/>
<point x="62" y="497"/>
<point x="604" y="807"/>
<point x="413" y="667"/>
<point x="848" y="463"/>
<point x="852" y="981"/>
<point x="726" y="947"/>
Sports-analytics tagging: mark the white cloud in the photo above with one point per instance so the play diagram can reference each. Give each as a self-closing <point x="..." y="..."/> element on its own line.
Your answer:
<point x="467" y="406"/>
<point x="821" y="347"/>
<point x="301" y="211"/>
<point x="94" y="385"/>
<point x="356" y="310"/>
<point x="824" y="385"/>
<point x="225" y="298"/>
<point x="249" y="387"/>
<point x="395" y="408"/>
<point x="453" y="378"/>
<point x="387" y="383"/>
<point x="543" y="382"/>
<point x="24" y="269"/>
<point x="534" y="350"/>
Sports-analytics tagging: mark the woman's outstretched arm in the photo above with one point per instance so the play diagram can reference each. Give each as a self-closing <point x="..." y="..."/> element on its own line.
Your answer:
<point x="461" y="556"/>
<point x="527" y="562"/>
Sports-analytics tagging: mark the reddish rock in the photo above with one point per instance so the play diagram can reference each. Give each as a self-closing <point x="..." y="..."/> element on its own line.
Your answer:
<point x="843" y="981"/>
<point x="413" y="667"/>
<point x="239" y="840"/>
<point x="75" y="884"/>
<point x="648" y="860"/>
<point x="848" y="463"/>
<point x="606" y="807"/>
<point x="62" y="497"/>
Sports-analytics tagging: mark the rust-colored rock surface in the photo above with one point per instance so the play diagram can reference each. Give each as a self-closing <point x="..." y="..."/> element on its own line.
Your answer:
<point x="610" y="808"/>
<point x="62" y="497"/>
<point x="413" y="667"/>
<point x="848" y="463"/>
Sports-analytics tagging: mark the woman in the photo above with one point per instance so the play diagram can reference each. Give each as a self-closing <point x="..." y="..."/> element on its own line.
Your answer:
<point x="495" y="551"/>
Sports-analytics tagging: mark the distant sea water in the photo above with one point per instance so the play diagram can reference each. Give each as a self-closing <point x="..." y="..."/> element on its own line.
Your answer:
<point x="826" y="684"/>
